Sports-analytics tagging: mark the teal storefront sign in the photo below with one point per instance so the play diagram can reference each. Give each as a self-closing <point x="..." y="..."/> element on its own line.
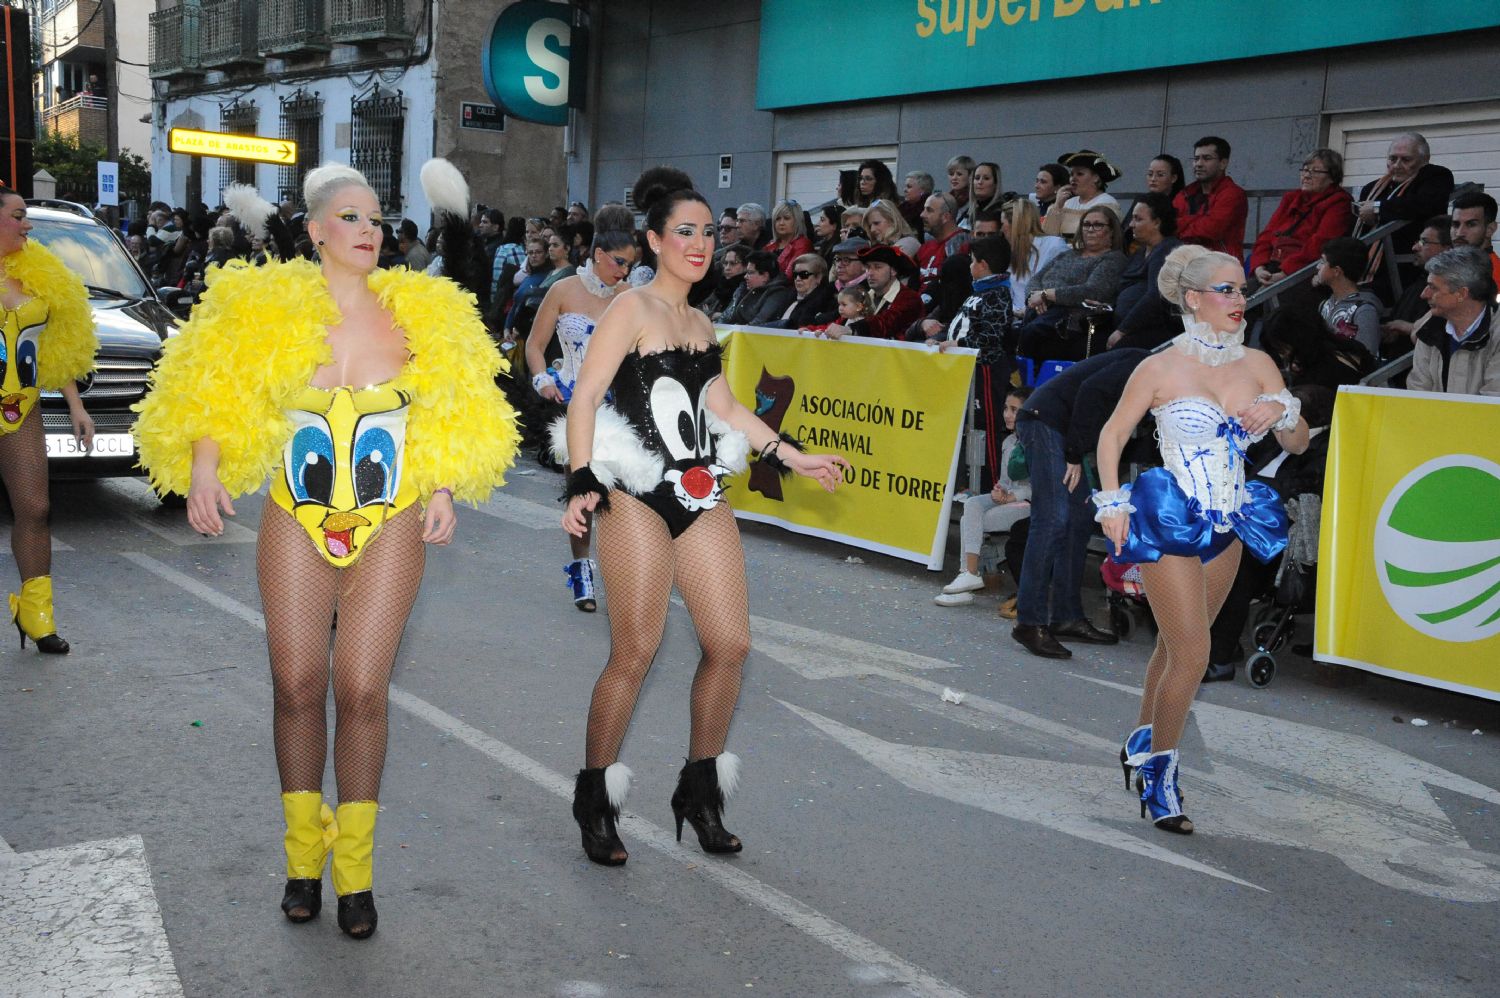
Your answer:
<point x="534" y="60"/>
<point x="926" y="46"/>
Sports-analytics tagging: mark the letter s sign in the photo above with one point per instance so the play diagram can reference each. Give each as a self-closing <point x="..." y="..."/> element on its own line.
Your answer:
<point x="533" y="61"/>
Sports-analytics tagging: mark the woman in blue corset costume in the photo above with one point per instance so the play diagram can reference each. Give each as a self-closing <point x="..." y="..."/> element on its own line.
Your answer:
<point x="649" y="465"/>
<point x="1186" y="523"/>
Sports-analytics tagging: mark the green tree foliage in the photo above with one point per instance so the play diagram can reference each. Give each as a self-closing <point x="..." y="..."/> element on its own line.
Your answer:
<point x="75" y="168"/>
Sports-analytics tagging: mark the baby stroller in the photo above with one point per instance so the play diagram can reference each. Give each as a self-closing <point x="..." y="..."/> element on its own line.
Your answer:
<point x="1295" y="590"/>
<point x="1125" y="595"/>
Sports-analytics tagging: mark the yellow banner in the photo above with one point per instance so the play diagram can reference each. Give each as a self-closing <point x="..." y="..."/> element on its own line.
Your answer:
<point x="1409" y="558"/>
<point x="895" y="410"/>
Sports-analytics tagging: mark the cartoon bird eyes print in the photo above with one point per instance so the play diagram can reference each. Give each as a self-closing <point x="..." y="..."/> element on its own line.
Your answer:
<point x="377" y="448"/>
<point x="682" y="425"/>
<point x="310" y="467"/>
<point x="26" y="348"/>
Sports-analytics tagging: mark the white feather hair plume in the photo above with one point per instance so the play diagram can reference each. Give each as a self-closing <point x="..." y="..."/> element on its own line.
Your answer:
<point x="245" y="203"/>
<point x="445" y="187"/>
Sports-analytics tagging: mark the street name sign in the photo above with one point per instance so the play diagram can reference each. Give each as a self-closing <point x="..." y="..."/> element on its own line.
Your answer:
<point x="226" y="145"/>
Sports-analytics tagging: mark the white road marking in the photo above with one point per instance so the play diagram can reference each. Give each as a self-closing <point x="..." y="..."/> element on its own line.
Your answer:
<point x="83" y="920"/>
<point x="178" y="532"/>
<point x="1064" y="797"/>
<point x="523" y="512"/>
<point x="795" y="913"/>
<point x="1270" y="780"/>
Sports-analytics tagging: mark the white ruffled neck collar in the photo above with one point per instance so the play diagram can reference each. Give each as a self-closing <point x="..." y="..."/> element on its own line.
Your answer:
<point x="594" y="285"/>
<point x="1202" y="342"/>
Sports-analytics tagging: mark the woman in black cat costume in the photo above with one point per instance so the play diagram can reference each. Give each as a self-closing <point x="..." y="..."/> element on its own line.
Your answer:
<point x="650" y="466"/>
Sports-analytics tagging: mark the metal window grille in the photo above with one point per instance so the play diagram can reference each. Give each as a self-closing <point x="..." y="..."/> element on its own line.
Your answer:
<point x="378" y="133"/>
<point x="241" y="118"/>
<point x="302" y="122"/>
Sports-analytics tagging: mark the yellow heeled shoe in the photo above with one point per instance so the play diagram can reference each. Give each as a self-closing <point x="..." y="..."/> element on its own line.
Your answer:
<point x="354" y="868"/>
<point x="31" y="612"/>
<point x="310" y="833"/>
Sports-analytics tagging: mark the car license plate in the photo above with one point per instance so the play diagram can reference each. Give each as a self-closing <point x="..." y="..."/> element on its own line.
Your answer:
<point x="105" y="445"/>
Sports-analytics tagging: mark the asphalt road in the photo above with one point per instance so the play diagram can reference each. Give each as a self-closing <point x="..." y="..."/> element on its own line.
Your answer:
<point x="896" y="843"/>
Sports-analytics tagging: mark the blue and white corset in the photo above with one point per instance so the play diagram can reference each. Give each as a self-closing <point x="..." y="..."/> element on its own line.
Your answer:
<point x="1199" y="502"/>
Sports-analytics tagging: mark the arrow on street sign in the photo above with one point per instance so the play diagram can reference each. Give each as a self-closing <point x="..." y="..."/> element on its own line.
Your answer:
<point x="227" y="145"/>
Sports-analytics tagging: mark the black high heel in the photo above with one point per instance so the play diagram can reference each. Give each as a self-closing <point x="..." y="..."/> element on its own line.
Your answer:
<point x="702" y="788"/>
<point x="47" y="644"/>
<point x="357" y="916"/>
<point x="597" y="796"/>
<point x="303" y="899"/>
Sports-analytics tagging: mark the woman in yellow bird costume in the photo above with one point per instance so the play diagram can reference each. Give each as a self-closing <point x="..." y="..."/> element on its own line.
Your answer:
<point x="48" y="343"/>
<point x="369" y="398"/>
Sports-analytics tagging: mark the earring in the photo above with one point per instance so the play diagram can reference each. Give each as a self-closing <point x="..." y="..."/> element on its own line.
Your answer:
<point x="320" y="242"/>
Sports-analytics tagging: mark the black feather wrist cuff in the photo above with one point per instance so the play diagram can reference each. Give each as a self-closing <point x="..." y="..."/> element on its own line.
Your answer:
<point x="582" y="482"/>
<point x="769" y="456"/>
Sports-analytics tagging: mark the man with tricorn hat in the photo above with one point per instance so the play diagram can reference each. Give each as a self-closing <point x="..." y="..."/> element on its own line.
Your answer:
<point x="893" y="305"/>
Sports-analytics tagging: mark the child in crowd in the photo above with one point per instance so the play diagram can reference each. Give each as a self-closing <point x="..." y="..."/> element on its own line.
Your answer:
<point x="1002" y="508"/>
<point x="853" y="304"/>
<point x="1349" y="313"/>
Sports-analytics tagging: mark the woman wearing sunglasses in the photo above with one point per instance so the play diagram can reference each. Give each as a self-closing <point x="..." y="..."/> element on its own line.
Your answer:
<point x="816" y="303"/>
<point x="570" y="312"/>
<point x="1187" y="523"/>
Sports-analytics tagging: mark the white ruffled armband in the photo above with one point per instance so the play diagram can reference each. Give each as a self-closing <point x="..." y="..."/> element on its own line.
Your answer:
<point x="1292" y="409"/>
<point x="1116" y="503"/>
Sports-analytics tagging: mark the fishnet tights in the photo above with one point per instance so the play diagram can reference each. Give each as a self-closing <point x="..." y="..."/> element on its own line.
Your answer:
<point x="23" y="469"/>
<point x="1185" y="597"/>
<point x="300" y="591"/>
<point x="640" y="562"/>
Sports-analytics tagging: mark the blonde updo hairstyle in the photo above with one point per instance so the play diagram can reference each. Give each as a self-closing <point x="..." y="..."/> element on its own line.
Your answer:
<point x="1189" y="268"/>
<point x="322" y="183"/>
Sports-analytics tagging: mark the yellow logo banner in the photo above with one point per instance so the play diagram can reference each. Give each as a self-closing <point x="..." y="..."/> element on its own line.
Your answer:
<point x="1409" y="554"/>
<point x="895" y="410"/>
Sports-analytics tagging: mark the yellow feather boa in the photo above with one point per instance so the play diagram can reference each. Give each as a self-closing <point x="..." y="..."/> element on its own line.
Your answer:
<point x="65" y="351"/>
<point x="258" y="336"/>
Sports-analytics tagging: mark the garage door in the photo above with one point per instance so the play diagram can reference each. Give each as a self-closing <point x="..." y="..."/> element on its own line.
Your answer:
<point x="813" y="178"/>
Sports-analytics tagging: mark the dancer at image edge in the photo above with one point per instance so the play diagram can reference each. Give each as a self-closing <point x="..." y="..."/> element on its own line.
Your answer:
<point x="570" y="311"/>
<point x="650" y="466"/>
<point x="1186" y="523"/>
<point x="369" y="397"/>
<point x="48" y="344"/>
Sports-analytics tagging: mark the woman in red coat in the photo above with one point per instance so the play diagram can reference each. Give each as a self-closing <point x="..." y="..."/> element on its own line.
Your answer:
<point x="1317" y="211"/>
<point x="789" y="226"/>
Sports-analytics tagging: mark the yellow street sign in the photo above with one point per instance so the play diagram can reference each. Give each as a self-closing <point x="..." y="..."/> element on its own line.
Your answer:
<point x="226" y="145"/>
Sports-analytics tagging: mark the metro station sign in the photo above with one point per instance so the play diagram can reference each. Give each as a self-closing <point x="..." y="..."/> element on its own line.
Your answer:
<point x="227" y="145"/>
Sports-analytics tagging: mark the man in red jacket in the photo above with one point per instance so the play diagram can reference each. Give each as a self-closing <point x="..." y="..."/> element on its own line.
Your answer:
<point x="1211" y="211"/>
<point x="894" y="306"/>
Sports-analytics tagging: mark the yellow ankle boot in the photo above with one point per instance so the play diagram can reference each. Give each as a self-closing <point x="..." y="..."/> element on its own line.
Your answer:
<point x="310" y="831"/>
<point x="32" y="613"/>
<point x="354" y="867"/>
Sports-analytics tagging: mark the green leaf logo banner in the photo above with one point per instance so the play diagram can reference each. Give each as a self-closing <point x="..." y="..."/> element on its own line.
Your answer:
<point x="1437" y="548"/>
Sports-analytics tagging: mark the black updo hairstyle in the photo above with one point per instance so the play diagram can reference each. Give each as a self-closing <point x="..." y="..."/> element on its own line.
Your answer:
<point x="659" y="191"/>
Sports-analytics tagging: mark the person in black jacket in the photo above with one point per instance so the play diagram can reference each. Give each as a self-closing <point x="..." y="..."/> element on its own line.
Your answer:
<point x="1057" y="427"/>
<point x="816" y="303"/>
<point x="1142" y="316"/>
<point x="1412" y="190"/>
<point x="1292" y="476"/>
<point x="767" y="293"/>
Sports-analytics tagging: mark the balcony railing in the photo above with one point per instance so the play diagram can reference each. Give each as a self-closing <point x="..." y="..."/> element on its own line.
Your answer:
<point x="229" y="30"/>
<point x="354" y="21"/>
<point x="174" y="42"/>
<point x="288" y="26"/>
<point x="84" y="117"/>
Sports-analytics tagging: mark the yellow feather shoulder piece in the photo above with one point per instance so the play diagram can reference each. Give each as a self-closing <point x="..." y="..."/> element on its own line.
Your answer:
<point x="66" y="349"/>
<point x="257" y="336"/>
<point x="460" y="431"/>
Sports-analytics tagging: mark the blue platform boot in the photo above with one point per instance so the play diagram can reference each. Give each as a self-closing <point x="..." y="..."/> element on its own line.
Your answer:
<point x="1159" y="793"/>
<point x="580" y="576"/>
<point x="1137" y="746"/>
